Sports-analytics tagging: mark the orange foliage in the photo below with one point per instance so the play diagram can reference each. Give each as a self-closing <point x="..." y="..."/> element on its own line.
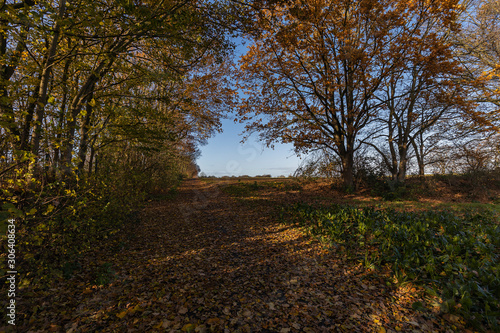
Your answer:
<point x="319" y="64"/>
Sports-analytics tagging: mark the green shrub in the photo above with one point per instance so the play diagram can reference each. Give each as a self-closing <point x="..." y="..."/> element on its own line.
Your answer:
<point x="456" y="257"/>
<point x="242" y="189"/>
<point x="105" y="274"/>
<point x="54" y="233"/>
<point x="59" y="221"/>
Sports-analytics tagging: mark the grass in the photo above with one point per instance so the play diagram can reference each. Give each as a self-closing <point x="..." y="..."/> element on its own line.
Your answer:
<point x="250" y="188"/>
<point x="283" y="186"/>
<point x="241" y="189"/>
<point x="169" y="194"/>
<point x="453" y="254"/>
<point x="462" y="207"/>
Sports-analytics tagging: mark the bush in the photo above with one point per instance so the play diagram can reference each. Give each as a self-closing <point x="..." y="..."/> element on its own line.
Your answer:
<point x="456" y="257"/>
<point x="59" y="219"/>
<point x="52" y="236"/>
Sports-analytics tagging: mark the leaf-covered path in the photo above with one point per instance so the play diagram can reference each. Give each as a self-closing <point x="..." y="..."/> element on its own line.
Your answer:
<point x="206" y="262"/>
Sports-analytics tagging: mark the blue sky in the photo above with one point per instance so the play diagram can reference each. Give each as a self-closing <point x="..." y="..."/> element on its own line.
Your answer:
<point x="224" y="155"/>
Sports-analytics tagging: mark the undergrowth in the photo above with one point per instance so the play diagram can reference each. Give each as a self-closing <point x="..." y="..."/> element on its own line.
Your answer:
<point x="54" y="233"/>
<point x="453" y="256"/>
<point x="59" y="222"/>
<point x="244" y="189"/>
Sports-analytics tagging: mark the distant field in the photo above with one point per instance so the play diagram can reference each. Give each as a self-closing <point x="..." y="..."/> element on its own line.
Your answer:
<point x="433" y="192"/>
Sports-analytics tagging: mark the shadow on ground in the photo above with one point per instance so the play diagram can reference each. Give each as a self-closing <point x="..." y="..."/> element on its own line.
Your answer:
<point x="205" y="262"/>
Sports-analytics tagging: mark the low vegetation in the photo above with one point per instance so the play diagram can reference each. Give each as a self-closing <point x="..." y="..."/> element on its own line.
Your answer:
<point x="454" y="257"/>
<point x="249" y="188"/>
<point x="59" y="222"/>
<point x="449" y="249"/>
<point x="439" y="259"/>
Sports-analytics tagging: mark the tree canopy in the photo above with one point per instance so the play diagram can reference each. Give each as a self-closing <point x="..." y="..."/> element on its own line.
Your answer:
<point x="335" y="74"/>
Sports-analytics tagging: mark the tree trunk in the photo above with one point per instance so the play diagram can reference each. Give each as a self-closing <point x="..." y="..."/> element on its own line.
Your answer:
<point x="403" y="162"/>
<point x="75" y="108"/>
<point x="419" y="154"/>
<point x="348" y="170"/>
<point x="421" y="162"/>
<point x="394" y="161"/>
<point x="44" y="83"/>
<point x="84" y="141"/>
<point x="82" y="97"/>
<point x="28" y="119"/>
<point x="402" y="170"/>
<point x="393" y="167"/>
<point x="91" y="159"/>
<point x="96" y="159"/>
<point x="6" y="71"/>
<point x="62" y="111"/>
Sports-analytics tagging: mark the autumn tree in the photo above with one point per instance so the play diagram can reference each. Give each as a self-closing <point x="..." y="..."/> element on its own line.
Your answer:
<point x="470" y="112"/>
<point x="478" y="48"/>
<point x="13" y="39"/>
<point x="315" y="69"/>
<point x="102" y="102"/>
<point x="421" y="91"/>
<point x="78" y="65"/>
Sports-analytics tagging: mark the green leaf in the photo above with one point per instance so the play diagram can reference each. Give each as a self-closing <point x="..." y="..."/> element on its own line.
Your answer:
<point x="4" y="216"/>
<point x="418" y="306"/>
<point x="7" y="206"/>
<point x="3" y="227"/>
<point x="50" y="208"/>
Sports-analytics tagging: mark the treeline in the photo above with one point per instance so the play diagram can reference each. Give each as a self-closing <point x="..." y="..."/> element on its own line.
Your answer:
<point x="101" y="103"/>
<point x="402" y="85"/>
<point x="81" y="80"/>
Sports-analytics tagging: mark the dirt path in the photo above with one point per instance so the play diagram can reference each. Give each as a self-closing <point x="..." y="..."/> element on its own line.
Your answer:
<point x="205" y="262"/>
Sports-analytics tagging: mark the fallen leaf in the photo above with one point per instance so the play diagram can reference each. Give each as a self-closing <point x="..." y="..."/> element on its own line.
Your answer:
<point x="188" y="327"/>
<point x="122" y="314"/>
<point x="213" y="321"/>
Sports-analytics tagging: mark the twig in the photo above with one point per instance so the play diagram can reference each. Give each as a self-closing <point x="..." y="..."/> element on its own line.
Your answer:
<point x="11" y="167"/>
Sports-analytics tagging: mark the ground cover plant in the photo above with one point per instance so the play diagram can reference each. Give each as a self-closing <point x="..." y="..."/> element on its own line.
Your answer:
<point x="454" y="256"/>
<point x="248" y="188"/>
<point x="206" y="255"/>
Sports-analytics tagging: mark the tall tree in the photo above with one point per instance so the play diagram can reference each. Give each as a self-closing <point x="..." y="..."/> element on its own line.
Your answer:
<point x="424" y="89"/>
<point x="74" y="57"/>
<point x="13" y="39"/>
<point x="315" y="68"/>
<point x="478" y="46"/>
